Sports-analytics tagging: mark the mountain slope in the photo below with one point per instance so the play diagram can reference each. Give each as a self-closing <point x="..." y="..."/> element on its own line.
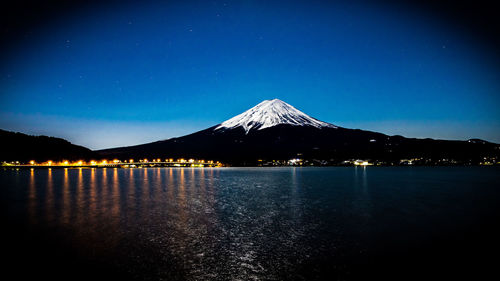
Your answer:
<point x="270" y="113"/>
<point x="276" y="130"/>
<point x="22" y="147"/>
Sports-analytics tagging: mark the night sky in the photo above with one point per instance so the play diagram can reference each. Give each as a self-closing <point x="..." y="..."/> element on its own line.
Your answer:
<point x="114" y="74"/>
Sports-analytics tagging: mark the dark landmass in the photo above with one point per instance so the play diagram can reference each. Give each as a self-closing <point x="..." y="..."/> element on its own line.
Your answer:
<point x="23" y="148"/>
<point x="270" y="146"/>
<point x="329" y="146"/>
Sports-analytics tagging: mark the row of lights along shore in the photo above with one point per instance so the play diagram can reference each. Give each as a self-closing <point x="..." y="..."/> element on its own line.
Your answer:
<point x="116" y="162"/>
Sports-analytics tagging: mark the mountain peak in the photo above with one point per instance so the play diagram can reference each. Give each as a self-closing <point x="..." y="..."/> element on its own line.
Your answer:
<point x="270" y="113"/>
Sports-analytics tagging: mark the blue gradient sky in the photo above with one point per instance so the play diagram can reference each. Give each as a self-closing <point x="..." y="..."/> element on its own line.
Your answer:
<point x="127" y="74"/>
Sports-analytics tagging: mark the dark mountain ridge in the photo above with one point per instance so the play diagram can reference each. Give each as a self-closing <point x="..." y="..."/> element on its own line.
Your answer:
<point x="272" y="130"/>
<point x="22" y="147"/>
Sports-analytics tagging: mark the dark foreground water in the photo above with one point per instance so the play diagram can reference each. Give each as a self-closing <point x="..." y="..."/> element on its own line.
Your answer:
<point x="341" y="223"/>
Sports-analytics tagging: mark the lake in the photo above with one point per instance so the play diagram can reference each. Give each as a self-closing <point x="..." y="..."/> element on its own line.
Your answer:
<point x="337" y="223"/>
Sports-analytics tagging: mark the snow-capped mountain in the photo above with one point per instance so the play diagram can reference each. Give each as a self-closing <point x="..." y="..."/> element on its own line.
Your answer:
<point x="270" y="113"/>
<point x="276" y="130"/>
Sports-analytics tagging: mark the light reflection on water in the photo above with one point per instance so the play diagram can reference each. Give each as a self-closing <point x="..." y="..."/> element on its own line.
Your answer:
<point x="32" y="198"/>
<point x="66" y="209"/>
<point x="243" y="223"/>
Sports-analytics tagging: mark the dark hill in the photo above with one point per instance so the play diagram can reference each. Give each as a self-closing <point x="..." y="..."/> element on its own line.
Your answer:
<point x="22" y="147"/>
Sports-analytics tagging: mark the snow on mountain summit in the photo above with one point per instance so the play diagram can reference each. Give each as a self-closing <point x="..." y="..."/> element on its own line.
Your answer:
<point x="270" y="113"/>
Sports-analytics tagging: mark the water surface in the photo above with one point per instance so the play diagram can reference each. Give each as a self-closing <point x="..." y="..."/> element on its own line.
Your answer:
<point x="339" y="223"/>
